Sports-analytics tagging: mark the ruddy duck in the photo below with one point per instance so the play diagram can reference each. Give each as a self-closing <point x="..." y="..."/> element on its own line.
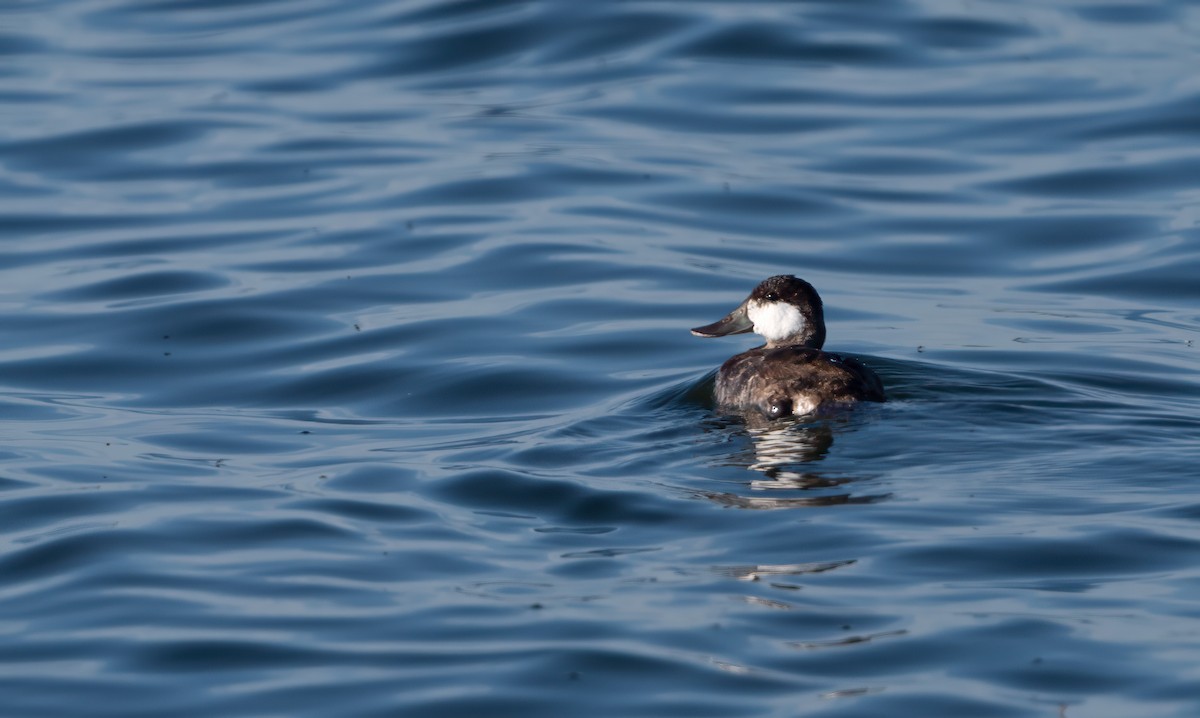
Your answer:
<point x="789" y="375"/>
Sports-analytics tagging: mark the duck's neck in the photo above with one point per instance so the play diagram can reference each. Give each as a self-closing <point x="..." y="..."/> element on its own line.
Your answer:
<point x="812" y="334"/>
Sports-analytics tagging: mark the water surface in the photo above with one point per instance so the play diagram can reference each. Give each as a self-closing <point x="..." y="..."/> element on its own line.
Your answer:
<point x="346" y="369"/>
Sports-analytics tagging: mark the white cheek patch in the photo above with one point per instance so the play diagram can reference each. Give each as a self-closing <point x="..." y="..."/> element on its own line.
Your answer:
<point x="775" y="320"/>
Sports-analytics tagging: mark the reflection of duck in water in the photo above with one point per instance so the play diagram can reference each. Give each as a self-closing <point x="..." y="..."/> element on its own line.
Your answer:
<point x="789" y="375"/>
<point x="786" y="453"/>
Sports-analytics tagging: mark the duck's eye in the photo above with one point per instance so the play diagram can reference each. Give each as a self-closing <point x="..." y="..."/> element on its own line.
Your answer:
<point x="772" y="297"/>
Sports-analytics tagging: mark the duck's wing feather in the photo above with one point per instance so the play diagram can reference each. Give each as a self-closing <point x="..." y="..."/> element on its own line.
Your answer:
<point x="761" y="376"/>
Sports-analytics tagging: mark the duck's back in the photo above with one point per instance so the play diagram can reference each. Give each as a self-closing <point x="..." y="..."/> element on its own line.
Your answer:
<point x="787" y="380"/>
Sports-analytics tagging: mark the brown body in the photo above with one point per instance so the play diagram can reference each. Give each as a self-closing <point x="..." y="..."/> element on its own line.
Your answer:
<point x="785" y="381"/>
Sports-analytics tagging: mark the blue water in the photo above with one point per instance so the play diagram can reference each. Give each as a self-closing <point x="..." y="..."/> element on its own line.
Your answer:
<point x="345" y="367"/>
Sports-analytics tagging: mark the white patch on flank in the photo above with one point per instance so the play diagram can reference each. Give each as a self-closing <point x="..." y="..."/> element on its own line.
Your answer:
<point x="775" y="320"/>
<point x="802" y="405"/>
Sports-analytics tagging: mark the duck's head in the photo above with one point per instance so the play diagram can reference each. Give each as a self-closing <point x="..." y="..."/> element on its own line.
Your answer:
<point x="787" y="311"/>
